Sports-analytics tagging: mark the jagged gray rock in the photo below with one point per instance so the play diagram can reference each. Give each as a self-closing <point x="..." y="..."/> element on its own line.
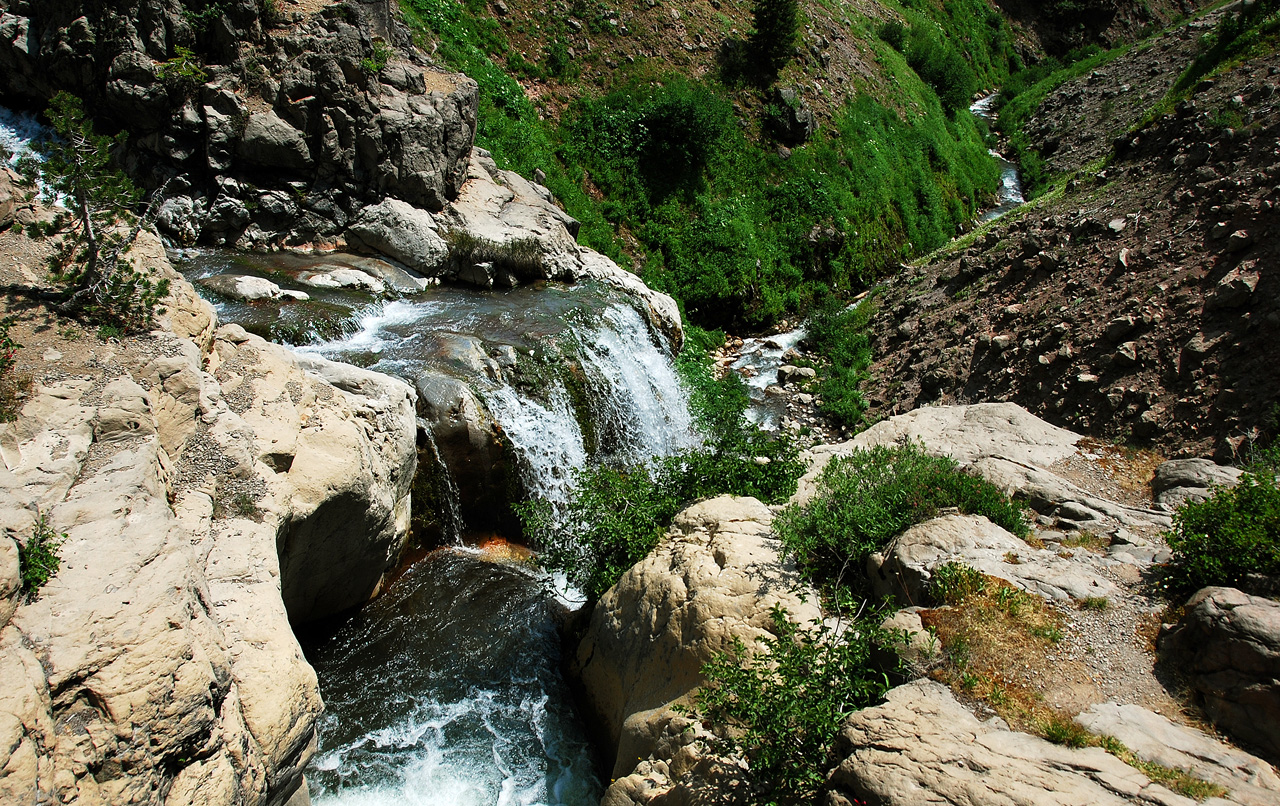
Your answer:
<point x="1180" y="480"/>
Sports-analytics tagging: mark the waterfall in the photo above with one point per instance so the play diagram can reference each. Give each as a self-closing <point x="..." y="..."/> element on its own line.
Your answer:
<point x="547" y="440"/>
<point x="17" y="130"/>
<point x="640" y="400"/>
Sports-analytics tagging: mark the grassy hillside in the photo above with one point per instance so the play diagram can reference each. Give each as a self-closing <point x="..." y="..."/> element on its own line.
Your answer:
<point x="654" y="131"/>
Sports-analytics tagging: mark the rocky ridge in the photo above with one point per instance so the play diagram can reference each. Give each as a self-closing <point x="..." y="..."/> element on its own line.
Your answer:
<point x="212" y="489"/>
<point x="1138" y="304"/>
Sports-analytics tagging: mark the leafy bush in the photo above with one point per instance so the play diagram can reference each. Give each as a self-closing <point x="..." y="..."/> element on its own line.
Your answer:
<point x="1226" y="538"/>
<point x="869" y="497"/>
<point x="839" y="335"/>
<point x="38" y="560"/>
<point x="954" y="582"/>
<point x="781" y="706"/>
<point x="942" y="67"/>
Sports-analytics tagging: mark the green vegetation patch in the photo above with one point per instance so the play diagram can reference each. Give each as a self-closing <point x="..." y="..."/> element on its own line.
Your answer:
<point x="869" y="497"/>
<point x="618" y="514"/>
<point x="1223" y="540"/>
<point x="841" y="337"/>
<point x="38" y="558"/>
<point x="781" y="706"/>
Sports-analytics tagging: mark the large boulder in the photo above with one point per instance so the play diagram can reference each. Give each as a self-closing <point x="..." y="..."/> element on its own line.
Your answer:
<point x="905" y="568"/>
<point x="922" y="746"/>
<point x="1003" y="443"/>
<point x="403" y="233"/>
<point x="1153" y="738"/>
<point x="1180" y="480"/>
<point x="712" y="581"/>
<point x="1227" y="649"/>
<point x="341" y="443"/>
<point x="161" y="657"/>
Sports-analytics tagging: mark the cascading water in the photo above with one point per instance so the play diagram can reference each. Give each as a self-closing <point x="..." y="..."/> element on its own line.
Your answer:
<point x="446" y="689"/>
<point x="1009" y="194"/>
<point x="17" y="130"/>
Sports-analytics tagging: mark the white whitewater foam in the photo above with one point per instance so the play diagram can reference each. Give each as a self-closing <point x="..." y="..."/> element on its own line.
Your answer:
<point x="645" y="396"/>
<point x="546" y="438"/>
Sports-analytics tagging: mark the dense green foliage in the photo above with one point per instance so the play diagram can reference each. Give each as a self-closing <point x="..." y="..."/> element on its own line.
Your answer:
<point x="38" y="559"/>
<point x="618" y="514"/>
<point x="98" y="227"/>
<point x="774" y="37"/>
<point x="870" y="496"/>
<point x="781" y="706"/>
<point x="723" y="222"/>
<point x="942" y="66"/>
<point x="1223" y="540"/>
<point x="840" y="336"/>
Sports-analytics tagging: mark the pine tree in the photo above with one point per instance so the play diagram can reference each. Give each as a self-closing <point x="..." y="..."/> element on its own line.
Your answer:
<point x="96" y="226"/>
<point x="776" y="23"/>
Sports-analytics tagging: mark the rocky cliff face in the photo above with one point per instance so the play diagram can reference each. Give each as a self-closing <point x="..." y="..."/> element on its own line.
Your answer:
<point x="271" y="129"/>
<point x="198" y="475"/>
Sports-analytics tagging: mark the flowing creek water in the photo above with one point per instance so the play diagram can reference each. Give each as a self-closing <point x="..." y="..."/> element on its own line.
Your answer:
<point x="447" y="688"/>
<point x="1009" y="195"/>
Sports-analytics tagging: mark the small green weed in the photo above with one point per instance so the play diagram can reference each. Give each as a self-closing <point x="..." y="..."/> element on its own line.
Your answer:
<point x="1095" y="603"/>
<point x="378" y="59"/>
<point x="38" y="559"/>
<point x="954" y="582"/>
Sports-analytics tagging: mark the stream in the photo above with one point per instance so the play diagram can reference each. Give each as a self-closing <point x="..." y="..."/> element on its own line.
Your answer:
<point x="447" y="688"/>
<point x="1009" y="195"/>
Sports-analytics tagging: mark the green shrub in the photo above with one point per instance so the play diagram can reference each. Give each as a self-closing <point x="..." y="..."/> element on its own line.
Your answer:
<point x="782" y="705"/>
<point x="942" y="67"/>
<point x="954" y="582"/>
<point x="869" y="497"/>
<point x="618" y="514"/>
<point x="1226" y="538"/>
<point x="38" y="560"/>
<point x="840" y="336"/>
<point x="99" y="227"/>
<point x="183" y="73"/>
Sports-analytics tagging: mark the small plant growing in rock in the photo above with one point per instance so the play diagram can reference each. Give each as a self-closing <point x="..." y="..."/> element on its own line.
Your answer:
<point x="98" y="226"/>
<point x="183" y="72"/>
<point x="1095" y="603"/>
<point x="377" y="60"/>
<point x="38" y="560"/>
<point x="781" y="706"/>
<point x="954" y="582"/>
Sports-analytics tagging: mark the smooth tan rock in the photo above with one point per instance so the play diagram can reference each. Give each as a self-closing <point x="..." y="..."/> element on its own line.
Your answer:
<point x="713" y="580"/>
<point x="904" y="570"/>
<point x="1249" y="780"/>
<point x="921" y="746"/>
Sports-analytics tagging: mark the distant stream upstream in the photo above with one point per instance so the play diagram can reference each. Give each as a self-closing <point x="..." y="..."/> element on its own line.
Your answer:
<point x="447" y="688"/>
<point x="1009" y="195"/>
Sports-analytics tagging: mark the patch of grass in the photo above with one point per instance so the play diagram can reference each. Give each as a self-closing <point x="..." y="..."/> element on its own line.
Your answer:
<point x="869" y="497"/>
<point x="1087" y="540"/>
<point x="109" y="332"/>
<point x="38" y="558"/>
<point x="840" y="336"/>
<point x="378" y="57"/>
<point x="1221" y="541"/>
<point x="1095" y="603"/>
<point x="954" y="582"/>
<point x="990" y="639"/>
